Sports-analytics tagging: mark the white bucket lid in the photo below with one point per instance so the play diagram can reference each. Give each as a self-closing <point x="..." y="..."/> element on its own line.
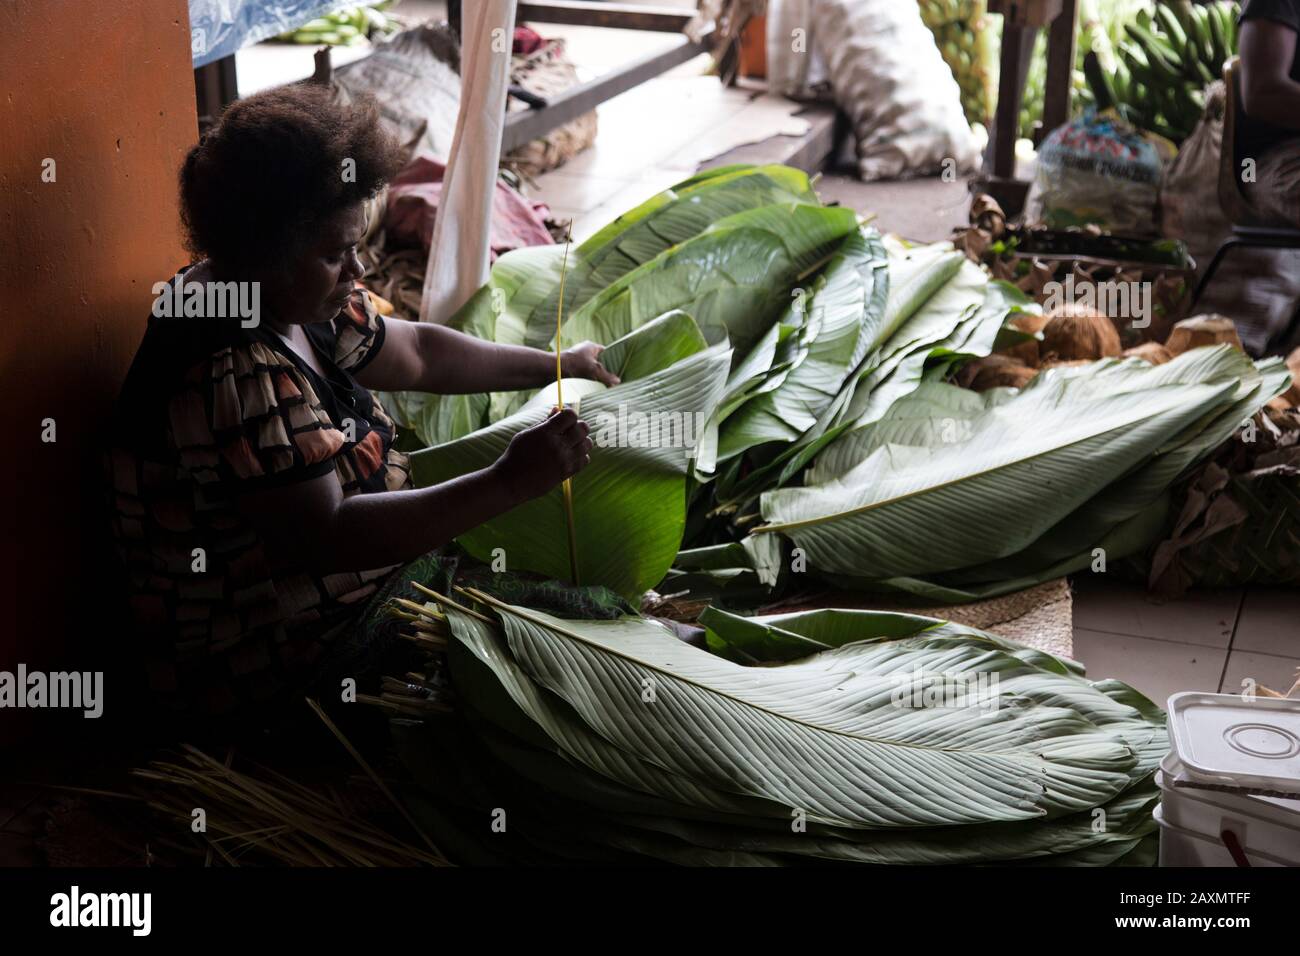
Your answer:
<point x="1227" y="739"/>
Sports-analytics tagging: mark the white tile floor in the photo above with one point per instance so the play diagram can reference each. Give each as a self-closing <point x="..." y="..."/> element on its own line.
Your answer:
<point x="1207" y="640"/>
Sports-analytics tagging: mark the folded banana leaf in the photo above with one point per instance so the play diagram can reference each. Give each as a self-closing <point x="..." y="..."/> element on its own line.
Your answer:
<point x="838" y="328"/>
<point x="939" y="309"/>
<point x="614" y="736"/>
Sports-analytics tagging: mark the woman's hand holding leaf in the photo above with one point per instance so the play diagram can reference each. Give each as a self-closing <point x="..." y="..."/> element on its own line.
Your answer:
<point x="583" y="361"/>
<point x="540" y="457"/>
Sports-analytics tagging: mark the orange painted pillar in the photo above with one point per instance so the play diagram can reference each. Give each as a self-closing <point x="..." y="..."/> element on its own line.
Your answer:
<point x="96" y="113"/>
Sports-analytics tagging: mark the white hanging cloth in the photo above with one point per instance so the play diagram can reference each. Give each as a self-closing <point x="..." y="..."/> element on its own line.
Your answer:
<point x="458" y="254"/>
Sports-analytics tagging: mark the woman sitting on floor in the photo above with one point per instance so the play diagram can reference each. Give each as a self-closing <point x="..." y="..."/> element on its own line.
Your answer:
<point x="259" y="501"/>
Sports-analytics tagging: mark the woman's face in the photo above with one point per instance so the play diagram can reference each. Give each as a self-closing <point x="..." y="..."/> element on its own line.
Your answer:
<point x="318" y="283"/>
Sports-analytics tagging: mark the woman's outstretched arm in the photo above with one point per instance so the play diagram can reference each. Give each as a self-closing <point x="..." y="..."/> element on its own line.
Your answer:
<point x="310" y="523"/>
<point x="424" y="357"/>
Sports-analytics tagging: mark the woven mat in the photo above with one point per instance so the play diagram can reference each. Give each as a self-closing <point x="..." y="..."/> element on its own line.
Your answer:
<point x="1041" y="617"/>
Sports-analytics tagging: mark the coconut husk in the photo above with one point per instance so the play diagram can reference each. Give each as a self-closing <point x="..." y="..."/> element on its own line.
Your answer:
<point x="1074" y="332"/>
<point x="1279" y="404"/>
<point x="1152" y="352"/>
<point x="1027" y="353"/>
<point x="1202" y="330"/>
<point x="995" y="371"/>
<point x="986" y="214"/>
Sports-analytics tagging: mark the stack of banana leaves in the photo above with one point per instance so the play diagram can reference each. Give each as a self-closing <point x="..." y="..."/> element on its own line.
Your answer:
<point x="784" y="412"/>
<point x="750" y="325"/>
<point x="958" y="496"/>
<point x="826" y="736"/>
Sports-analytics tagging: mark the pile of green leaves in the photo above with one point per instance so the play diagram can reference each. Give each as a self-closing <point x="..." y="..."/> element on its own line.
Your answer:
<point x="825" y="736"/>
<point x="957" y="496"/>
<point x="804" y="360"/>
<point x="739" y="307"/>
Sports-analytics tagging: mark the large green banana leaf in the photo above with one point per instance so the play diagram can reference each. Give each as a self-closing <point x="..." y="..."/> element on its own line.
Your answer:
<point x="577" y="796"/>
<point x="838" y="328"/>
<point x="1021" y="466"/>
<point x="1128" y="495"/>
<point x="663" y="221"/>
<point x="826" y="734"/>
<point x="938" y="306"/>
<point x="518" y="304"/>
<point x="732" y="277"/>
<point x="1126" y="538"/>
<point x="630" y="502"/>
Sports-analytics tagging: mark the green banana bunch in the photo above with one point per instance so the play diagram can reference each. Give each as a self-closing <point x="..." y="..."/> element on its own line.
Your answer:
<point x="936" y="13"/>
<point x="346" y="27"/>
<point x="1168" y="56"/>
<point x="962" y="33"/>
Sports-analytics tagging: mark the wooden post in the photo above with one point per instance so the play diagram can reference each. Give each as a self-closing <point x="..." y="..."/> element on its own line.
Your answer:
<point x="1021" y="20"/>
<point x="1017" y="52"/>
<point x="1060" y="67"/>
<point x="215" y="88"/>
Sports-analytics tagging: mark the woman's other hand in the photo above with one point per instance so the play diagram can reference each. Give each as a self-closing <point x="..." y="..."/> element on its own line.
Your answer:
<point x="539" y="458"/>
<point x="583" y="361"/>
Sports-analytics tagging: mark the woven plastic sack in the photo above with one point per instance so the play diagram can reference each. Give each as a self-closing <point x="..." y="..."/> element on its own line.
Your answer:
<point x="900" y="96"/>
<point x="546" y="72"/>
<point x="1189" y="198"/>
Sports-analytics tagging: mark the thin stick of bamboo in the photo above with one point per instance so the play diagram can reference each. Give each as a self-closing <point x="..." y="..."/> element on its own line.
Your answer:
<point x="567" y="487"/>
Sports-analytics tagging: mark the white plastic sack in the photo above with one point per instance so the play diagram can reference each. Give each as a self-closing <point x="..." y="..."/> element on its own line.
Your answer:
<point x="458" y="255"/>
<point x="891" y="80"/>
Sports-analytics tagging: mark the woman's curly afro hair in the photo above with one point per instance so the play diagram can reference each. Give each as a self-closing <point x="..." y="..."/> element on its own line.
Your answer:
<point x="274" y="166"/>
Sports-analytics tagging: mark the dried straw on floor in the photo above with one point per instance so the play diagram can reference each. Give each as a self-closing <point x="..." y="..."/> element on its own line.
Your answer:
<point x="261" y="816"/>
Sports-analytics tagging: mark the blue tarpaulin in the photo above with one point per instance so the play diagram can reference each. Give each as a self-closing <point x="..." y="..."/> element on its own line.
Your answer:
<point x="220" y="27"/>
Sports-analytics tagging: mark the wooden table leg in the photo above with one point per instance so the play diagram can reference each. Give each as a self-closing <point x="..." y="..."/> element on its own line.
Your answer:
<point x="1060" y="67"/>
<point x="1017" y="52"/>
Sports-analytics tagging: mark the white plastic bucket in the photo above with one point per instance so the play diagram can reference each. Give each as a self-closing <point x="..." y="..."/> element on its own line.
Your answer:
<point x="1226" y="741"/>
<point x="1262" y="825"/>
<point x="1179" y="847"/>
